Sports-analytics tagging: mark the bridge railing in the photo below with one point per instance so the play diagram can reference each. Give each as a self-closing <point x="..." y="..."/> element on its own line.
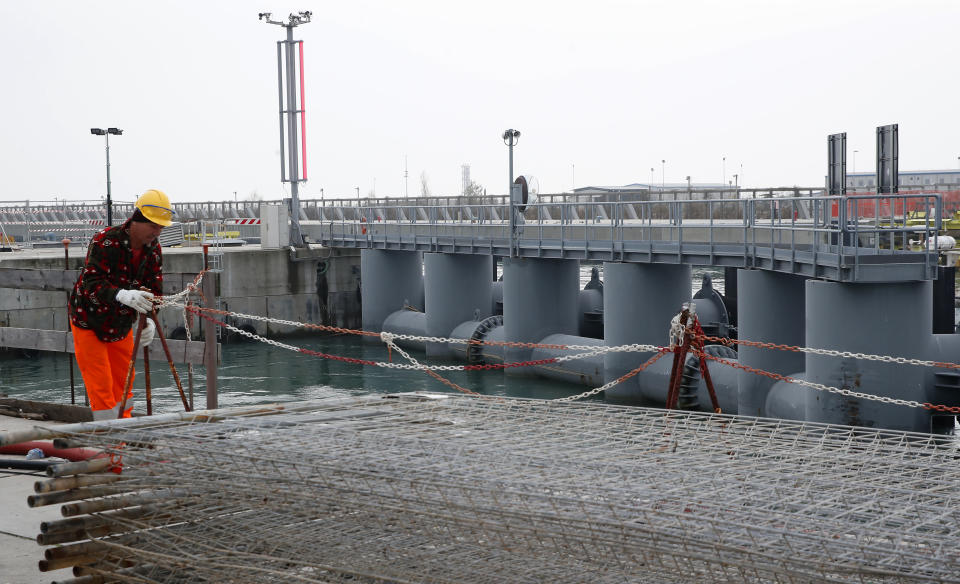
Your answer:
<point x="848" y="228"/>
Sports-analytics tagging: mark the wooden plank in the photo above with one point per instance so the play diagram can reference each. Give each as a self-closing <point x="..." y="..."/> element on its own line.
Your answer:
<point x="49" y="411"/>
<point x="55" y="279"/>
<point x="62" y="342"/>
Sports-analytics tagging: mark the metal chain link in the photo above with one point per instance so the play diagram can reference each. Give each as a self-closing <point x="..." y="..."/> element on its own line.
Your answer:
<point x="828" y="388"/>
<point x="832" y="353"/>
<point x="390" y="338"/>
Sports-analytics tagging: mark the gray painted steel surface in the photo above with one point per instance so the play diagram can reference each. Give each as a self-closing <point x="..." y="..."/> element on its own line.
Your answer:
<point x="388" y="281"/>
<point x="457" y="287"/>
<point x="540" y="298"/>
<point x="885" y="319"/>
<point x="587" y="371"/>
<point x="407" y="322"/>
<point x="638" y="302"/>
<point x="856" y="239"/>
<point x="772" y="310"/>
<point x="590" y="313"/>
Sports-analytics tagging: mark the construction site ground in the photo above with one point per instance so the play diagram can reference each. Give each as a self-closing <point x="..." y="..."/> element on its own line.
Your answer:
<point x="20" y="524"/>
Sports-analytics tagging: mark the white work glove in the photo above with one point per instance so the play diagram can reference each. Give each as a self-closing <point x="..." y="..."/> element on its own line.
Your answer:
<point x="146" y="335"/>
<point x="139" y="300"/>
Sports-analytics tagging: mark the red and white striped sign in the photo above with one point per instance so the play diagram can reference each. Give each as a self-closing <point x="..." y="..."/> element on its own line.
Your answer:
<point x="242" y="221"/>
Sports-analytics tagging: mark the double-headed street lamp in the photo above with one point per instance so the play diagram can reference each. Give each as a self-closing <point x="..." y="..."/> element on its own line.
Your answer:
<point x="106" y="134"/>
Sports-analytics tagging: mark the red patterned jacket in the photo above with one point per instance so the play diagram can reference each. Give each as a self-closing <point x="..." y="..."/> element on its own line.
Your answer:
<point x="108" y="269"/>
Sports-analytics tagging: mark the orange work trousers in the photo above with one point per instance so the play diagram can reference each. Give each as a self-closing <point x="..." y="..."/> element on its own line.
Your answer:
<point x="103" y="367"/>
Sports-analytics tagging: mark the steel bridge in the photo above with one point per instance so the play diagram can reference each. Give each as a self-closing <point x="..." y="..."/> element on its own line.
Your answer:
<point x="871" y="238"/>
<point x="859" y="238"/>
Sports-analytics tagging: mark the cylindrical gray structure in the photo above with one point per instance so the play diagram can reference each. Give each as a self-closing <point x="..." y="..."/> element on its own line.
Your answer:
<point x="587" y="371"/>
<point x="407" y="322"/>
<point x="540" y="298"/>
<point x="638" y="302"/>
<point x="496" y="300"/>
<point x="388" y="281"/>
<point x="591" y="313"/>
<point x="885" y="319"/>
<point x="457" y="287"/>
<point x="771" y="309"/>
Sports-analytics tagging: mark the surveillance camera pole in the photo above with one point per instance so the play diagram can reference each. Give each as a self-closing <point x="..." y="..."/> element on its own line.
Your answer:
<point x="289" y="171"/>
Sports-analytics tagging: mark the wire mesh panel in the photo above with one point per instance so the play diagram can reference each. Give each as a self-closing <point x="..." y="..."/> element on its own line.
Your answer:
<point x="459" y="489"/>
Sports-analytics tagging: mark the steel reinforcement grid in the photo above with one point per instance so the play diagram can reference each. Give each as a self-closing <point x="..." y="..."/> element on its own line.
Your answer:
<point x="444" y="489"/>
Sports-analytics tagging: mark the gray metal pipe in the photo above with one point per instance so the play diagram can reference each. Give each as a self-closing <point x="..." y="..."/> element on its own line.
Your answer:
<point x="407" y="322"/>
<point x="587" y="371"/>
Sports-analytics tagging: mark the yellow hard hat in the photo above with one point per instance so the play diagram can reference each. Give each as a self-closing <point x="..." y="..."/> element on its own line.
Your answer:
<point x="155" y="206"/>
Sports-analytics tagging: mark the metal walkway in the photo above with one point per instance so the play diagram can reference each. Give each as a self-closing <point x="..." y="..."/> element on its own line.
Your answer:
<point x="869" y="238"/>
<point x="861" y="238"/>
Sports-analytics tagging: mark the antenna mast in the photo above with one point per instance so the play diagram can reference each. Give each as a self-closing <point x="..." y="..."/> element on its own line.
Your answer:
<point x="291" y="163"/>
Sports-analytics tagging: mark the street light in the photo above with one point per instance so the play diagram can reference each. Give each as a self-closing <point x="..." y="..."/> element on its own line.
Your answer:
<point x="663" y="172"/>
<point x="510" y="138"/>
<point x="855" y="161"/>
<point x="106" y="134"/>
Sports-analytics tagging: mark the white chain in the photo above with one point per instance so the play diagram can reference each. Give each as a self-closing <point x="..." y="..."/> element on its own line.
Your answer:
<point x="592" y="349"/>
<point x="828" y="388"/>
<point x="390" y="338"/>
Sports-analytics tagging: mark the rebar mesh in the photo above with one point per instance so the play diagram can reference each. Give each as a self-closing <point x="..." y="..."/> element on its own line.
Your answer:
<point x="461" y="489"/>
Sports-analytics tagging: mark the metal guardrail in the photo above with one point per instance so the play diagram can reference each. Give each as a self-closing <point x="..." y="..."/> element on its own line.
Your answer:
<point x="868" y="238"/>
<point x="853" y="238"/>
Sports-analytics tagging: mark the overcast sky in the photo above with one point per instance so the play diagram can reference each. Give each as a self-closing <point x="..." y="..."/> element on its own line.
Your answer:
<point x="601" y="90"/>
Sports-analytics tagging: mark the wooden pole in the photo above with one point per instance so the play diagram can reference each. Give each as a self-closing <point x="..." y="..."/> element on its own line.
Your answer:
<point x="210" y="333"/>
<point x="189" y="337"/>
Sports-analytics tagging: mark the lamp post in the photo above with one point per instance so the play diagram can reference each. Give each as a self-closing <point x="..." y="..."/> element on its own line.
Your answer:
<point x="106" y="134"/>
<point x="855" y="161"/>
<point x="651" y="178"/>
<point x="724" y="170"/>
<point x="510" y="138"/>
<point x="663" y="174"/>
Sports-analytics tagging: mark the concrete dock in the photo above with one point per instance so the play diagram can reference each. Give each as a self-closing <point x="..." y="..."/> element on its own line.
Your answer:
<point x="20" y="524"/>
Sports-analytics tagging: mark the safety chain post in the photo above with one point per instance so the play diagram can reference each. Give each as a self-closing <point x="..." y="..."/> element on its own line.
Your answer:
<point x="679" y="358"/>
<point x="66" y="266"/>
<point x="209" y="290"/>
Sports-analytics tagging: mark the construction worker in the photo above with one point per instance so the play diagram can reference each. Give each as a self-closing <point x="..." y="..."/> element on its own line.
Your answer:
<point x="119" y="280"/>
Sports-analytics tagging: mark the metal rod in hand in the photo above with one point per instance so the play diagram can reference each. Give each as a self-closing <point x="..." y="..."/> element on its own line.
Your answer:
<point x="66" y="266"/>
<point x="146" y="378"/>
<point x="190" y="365"/>
<point x="166" y="351"/>
<point x="128" y="380"/>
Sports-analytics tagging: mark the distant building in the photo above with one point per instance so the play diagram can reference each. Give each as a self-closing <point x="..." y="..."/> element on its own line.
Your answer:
<point x="912" y="179"/>
<point x="636" y="188"/>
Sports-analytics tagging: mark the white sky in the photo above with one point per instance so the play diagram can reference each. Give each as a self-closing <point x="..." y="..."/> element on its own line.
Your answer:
<point x="602" y="91"/>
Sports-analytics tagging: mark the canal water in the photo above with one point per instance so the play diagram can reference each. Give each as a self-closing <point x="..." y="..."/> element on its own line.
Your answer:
<point x="255" y="373"/>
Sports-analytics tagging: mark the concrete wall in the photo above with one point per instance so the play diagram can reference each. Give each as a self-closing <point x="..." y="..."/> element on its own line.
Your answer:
<point x="316" y="286"/>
